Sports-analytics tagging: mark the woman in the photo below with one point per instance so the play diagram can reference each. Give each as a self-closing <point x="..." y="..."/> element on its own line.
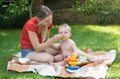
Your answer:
<point x="35" y="42"/>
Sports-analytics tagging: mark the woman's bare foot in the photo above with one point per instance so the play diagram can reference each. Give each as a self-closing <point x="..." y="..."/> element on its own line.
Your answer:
<point x="25" y="61"/>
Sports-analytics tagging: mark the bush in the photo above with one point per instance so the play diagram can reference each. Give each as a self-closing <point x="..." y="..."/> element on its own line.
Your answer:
<point x="14" y="14"/>
<point x="103" y="9"/>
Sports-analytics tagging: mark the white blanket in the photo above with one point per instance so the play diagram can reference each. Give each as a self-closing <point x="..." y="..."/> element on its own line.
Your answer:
<point x="97" y="69"/>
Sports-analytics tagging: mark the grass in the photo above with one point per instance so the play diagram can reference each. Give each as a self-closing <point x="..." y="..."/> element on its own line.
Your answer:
<point x="86" y="36"/>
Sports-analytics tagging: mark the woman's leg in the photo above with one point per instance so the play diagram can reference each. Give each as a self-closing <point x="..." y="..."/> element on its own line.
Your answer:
<point x="41" y="57"/>
<point x="52" y="51"/>
<point x="59" y="60"/>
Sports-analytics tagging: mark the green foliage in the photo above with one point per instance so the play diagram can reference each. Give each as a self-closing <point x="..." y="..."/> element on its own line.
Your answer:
<point x="16" y="13"/>
<point x="104" y="9"/>
<point x="13" y="12"/>
<point x="97" y="6"/>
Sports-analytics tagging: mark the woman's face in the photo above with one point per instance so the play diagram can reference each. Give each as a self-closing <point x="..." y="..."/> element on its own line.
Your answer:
<point x="46" y="21"/>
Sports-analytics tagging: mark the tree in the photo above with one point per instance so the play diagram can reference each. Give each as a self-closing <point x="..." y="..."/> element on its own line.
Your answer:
<point x="35" y="4"/>
<point x="13" y="11"/>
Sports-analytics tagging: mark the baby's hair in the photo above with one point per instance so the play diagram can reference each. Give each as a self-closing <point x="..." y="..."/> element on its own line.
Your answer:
<point x="65" y="25"/>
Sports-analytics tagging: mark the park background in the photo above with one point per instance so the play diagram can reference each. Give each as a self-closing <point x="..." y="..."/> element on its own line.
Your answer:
<point x="95" y="24"/>
<point x="13" y="13"/>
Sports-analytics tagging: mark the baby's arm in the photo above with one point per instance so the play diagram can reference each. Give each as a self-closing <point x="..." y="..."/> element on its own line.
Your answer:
<point x="75" y="49"/>
<point x="78" y="51"/>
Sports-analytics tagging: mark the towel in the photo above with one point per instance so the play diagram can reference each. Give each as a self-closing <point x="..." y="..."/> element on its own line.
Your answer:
<point x="93" y="70"/>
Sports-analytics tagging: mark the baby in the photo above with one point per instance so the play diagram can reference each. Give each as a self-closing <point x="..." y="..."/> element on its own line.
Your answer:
<point x="67" y="45"/>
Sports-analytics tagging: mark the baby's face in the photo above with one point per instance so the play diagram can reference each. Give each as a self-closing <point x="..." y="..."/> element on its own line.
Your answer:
<point x="65" y="33"/>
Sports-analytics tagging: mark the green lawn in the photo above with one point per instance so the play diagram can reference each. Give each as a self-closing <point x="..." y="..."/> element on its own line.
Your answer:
<point x="86" y="36"/>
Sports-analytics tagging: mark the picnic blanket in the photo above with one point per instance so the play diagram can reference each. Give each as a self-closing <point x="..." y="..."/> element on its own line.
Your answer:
<point x="96" y="69"/>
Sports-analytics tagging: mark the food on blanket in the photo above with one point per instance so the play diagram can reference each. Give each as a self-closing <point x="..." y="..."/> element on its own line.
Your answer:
<point x="23" y="60"/>
<point x="82" y="58"/>
<point x="72" y="63"/>
<point x="87" y="50"/>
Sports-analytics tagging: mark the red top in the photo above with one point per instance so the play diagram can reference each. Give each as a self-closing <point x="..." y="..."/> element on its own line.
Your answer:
<point x="30" y="25"/>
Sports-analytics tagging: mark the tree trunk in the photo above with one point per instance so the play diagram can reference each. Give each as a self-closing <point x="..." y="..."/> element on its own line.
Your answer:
<point x="38" y="3"/>
<point x="34" y="4"/>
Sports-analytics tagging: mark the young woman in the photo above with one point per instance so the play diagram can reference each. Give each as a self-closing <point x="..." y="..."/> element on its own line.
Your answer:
<point x="35" y="42"/>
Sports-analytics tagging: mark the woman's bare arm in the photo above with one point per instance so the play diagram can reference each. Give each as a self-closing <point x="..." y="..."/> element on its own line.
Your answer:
<point x="40" y="46"/>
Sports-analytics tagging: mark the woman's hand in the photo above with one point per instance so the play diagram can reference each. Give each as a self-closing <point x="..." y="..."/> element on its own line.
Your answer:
<point x="57" y="37"/>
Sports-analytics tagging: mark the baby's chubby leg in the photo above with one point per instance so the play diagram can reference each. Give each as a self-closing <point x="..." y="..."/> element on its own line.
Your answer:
<point x="89" y="56"/>
<point x="58" y="58"/>
<point x="41" y="57"/>
<point x="79" y="52"/>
